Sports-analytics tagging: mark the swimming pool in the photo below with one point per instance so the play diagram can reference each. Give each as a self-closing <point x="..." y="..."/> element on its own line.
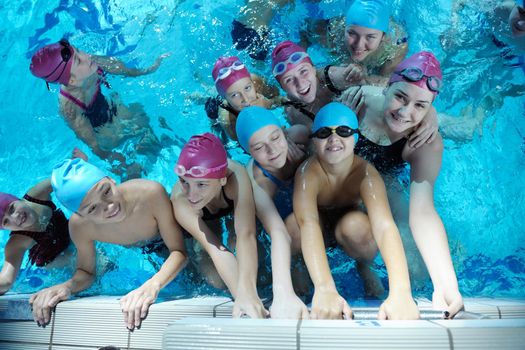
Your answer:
<point x="478" y="194"/>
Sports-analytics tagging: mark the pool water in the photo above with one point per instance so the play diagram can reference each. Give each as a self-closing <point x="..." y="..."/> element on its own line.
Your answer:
<point x="479" y="194"/>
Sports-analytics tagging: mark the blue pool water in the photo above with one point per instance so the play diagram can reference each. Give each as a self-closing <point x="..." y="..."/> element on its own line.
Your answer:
<point x="479" y="194"/>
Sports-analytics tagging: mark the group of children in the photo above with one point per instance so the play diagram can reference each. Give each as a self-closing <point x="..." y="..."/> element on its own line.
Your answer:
<point x="321" y="181"/>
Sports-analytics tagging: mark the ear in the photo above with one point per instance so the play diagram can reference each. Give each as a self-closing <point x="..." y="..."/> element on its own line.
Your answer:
<point x="223" y="181"/>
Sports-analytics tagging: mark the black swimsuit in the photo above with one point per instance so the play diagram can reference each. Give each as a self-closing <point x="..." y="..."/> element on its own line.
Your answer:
<point x="386" y="159"/>
<point x="53" y="241"/>
<point x="207" y="216"/>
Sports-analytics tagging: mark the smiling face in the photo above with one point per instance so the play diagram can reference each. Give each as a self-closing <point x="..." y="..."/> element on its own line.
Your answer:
<point x="200" y="191"/>
<point x="269" y="148"/>
<point x="405" y="106"/>
<point x="334" y="149"/>
<point x="19" y="216"/>
<point x="241" y="94"/>
<point x="362" y="41"/>
<point x="103" y="203"/>
<point x="300" y="82"/>
<point x="82" y="68"/>
<point x="517" y="21"/>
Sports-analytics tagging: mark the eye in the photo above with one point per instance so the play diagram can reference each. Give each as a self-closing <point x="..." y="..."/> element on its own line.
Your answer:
<point x="304" y="71"/>
<point x="107" y="191"/>
<point x="276" y="137"/>
<point x="5" y="222"/>
<point x="248" y="87"/>
<point x="420" y="106"/>
<point x="202" y="185"/>
<point x="371" y="36"/>
<point x="11" y="209"/>
<point x="400" y="97"/>
<point x="92" y="208"/>
<point x="287" y="81"/>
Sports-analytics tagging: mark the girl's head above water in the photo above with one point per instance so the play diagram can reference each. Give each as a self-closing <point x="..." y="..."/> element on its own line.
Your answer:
<point x="53" y="62"/>
<point x="287" y="55"/>
<point x="251" y="120"/>
<point x="227" y="71"/>
<point x="421" y="69"/>
<point x="5" y="200"/>
<point x="202" y="157"/>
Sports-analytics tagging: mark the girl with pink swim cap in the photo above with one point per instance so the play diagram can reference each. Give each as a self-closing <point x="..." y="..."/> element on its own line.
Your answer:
<point x="37" y="225"/>
<point x="385" y="121"/>
<point x="239" y="89"/>
<point x="103" y="124"/>
<point x="210" y="187"/>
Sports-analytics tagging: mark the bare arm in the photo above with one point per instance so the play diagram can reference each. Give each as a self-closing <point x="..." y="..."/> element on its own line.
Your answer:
<point x="225" y="120"/>
<point x="247" y="300"/>
<point x="327" y="303"/>
<point x="41" y="190"/>
<point x="135" y="304"/>
<point x="285" y="303"/>
<point x="14" y="251"/>
<point x="115" y="66"/>
<point x="399" y="304"/>
<point x="45" y="300"/>
<point x="428" y="229"/>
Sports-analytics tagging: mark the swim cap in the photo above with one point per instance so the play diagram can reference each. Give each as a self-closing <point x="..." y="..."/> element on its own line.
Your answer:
<point x="203" y="156"/>
<point x="5" y="200"/>
<point x="72" y="179"/>
<point x="282" y="53"/>
<point x="250" y="120"/>
<point x="374" y="14"/>
<point x="226" y="71"/>
<point x="53" y="63"/>
<point x="424" y="61"/>
<point x="335" y="114"/>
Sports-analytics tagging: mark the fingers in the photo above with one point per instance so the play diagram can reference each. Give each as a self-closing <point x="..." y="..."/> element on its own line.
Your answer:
<point x="382" y="313"/>
<point x="347" y="312"/>
<point x="454" y="308"/>
<point x="305" y="315"/>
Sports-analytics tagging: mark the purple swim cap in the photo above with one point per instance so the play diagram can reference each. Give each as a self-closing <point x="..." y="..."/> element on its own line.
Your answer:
<point x="5" y="200"/>
<point x="53" y="62"/>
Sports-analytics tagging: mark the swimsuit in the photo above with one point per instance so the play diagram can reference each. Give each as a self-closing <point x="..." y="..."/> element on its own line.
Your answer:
<point x="283" y="198"/>
<point x="98" y="111"/>
<point x="53" y="241"/>
<point x="386" y="159"/>
<point x="207" y="216"/>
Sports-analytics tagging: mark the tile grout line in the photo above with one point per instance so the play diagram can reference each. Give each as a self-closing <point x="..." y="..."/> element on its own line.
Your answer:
<point x="53" y="316"/>
<point x="298" y="334"/>
<point x="449" y="334"/>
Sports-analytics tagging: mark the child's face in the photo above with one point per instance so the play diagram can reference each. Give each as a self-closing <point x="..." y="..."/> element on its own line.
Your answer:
<point x="19" y="216"/>
<point x="300" y="82"/>
<point x="103" y="203"/>
<point x="269" y="148"/>
<point x="82" y="68"/>
<point x="241" y="94"/>
<point x="334" y="149"/>
<point x="517" y="21"/>
<point x="405" y="106"/>
<point x="362" y="41"/>
<point x="200" y="192"/>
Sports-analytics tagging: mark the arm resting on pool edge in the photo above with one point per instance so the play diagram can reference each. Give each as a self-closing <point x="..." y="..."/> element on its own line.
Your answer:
<point x="14" y="250"/>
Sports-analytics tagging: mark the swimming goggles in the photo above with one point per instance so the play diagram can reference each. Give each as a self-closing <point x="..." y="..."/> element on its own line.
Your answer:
<point x="226" y="71"/>
<point x="294" y="58"/>
<point x="416" y="74"/>
<point x="197" y="171"/>
<point x="342" y="130"/>
<point x="65" y="54"/>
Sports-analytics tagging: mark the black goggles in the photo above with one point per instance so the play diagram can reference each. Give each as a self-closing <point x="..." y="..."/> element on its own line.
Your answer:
<point x="65" y="53"/>
<point x="416" y="74"/>
<point x="342" y="130"/>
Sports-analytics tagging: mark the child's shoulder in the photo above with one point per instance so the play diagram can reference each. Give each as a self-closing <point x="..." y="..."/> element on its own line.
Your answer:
<point x="142" y="186"/>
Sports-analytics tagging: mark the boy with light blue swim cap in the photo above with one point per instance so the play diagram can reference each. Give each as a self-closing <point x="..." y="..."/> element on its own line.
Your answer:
<point x="335" y="114"/>
<point x="373" y="14"/>
<point x="72" y="179"/>
<point x="250" y="120"/>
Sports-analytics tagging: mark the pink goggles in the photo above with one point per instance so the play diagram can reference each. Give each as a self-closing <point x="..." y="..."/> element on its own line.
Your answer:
<point x="199" y="171"/>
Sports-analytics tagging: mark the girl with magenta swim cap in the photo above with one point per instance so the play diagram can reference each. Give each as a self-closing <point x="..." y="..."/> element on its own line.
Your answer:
<point x="307" y="89"/>
<point x="271" y="171"/>
<point x="211" y="187"/>
<point x="103" y="124"/>
<point x="385" y="122"/>
<point x="37" y="225"/>
<point x="369" y="40"/>
<point x="239" y="89"/>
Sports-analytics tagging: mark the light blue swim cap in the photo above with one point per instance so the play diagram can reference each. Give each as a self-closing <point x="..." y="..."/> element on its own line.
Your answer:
<point x="374" y="14"/>
<point x="250" y="120"/>
<point x="72" y="179"/>
<point x="335" y="114"/>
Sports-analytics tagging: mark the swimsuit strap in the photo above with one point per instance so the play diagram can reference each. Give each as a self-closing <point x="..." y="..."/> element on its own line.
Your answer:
<point x="272" y="178"/>
<point x="40" y="201"/>
<point x="300" y="107"/>
<point x="82" y="105"/>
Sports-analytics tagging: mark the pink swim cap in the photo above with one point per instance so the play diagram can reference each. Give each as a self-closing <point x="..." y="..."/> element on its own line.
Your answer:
<point x="282" y="56"/>
<point x="5" y="200"/>
<point x="421" y="69"/>
<point x="203" y="156"/>
<point x="53" y="62"/>
<point x="226" y="71"/>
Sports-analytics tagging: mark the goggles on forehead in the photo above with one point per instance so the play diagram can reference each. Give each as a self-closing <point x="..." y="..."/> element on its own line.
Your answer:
<point x="416" y="74"/>
<point x="197" y="171"/>
<point x="326" y="132"/>
<point x="65" y="54"/>
<point x="294" y="58"/>
<point x="226" y="71"/>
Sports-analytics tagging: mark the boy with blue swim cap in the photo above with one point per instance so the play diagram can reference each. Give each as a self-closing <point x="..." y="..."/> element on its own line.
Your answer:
<point x="331" y="187"/>
<point x="131" y="213"/>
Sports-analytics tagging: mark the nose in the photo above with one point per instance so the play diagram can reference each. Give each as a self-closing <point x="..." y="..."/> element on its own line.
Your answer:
<point x="244" y="99"/>
<point x="361" y="41"/>
<point x="405" y="111"/>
